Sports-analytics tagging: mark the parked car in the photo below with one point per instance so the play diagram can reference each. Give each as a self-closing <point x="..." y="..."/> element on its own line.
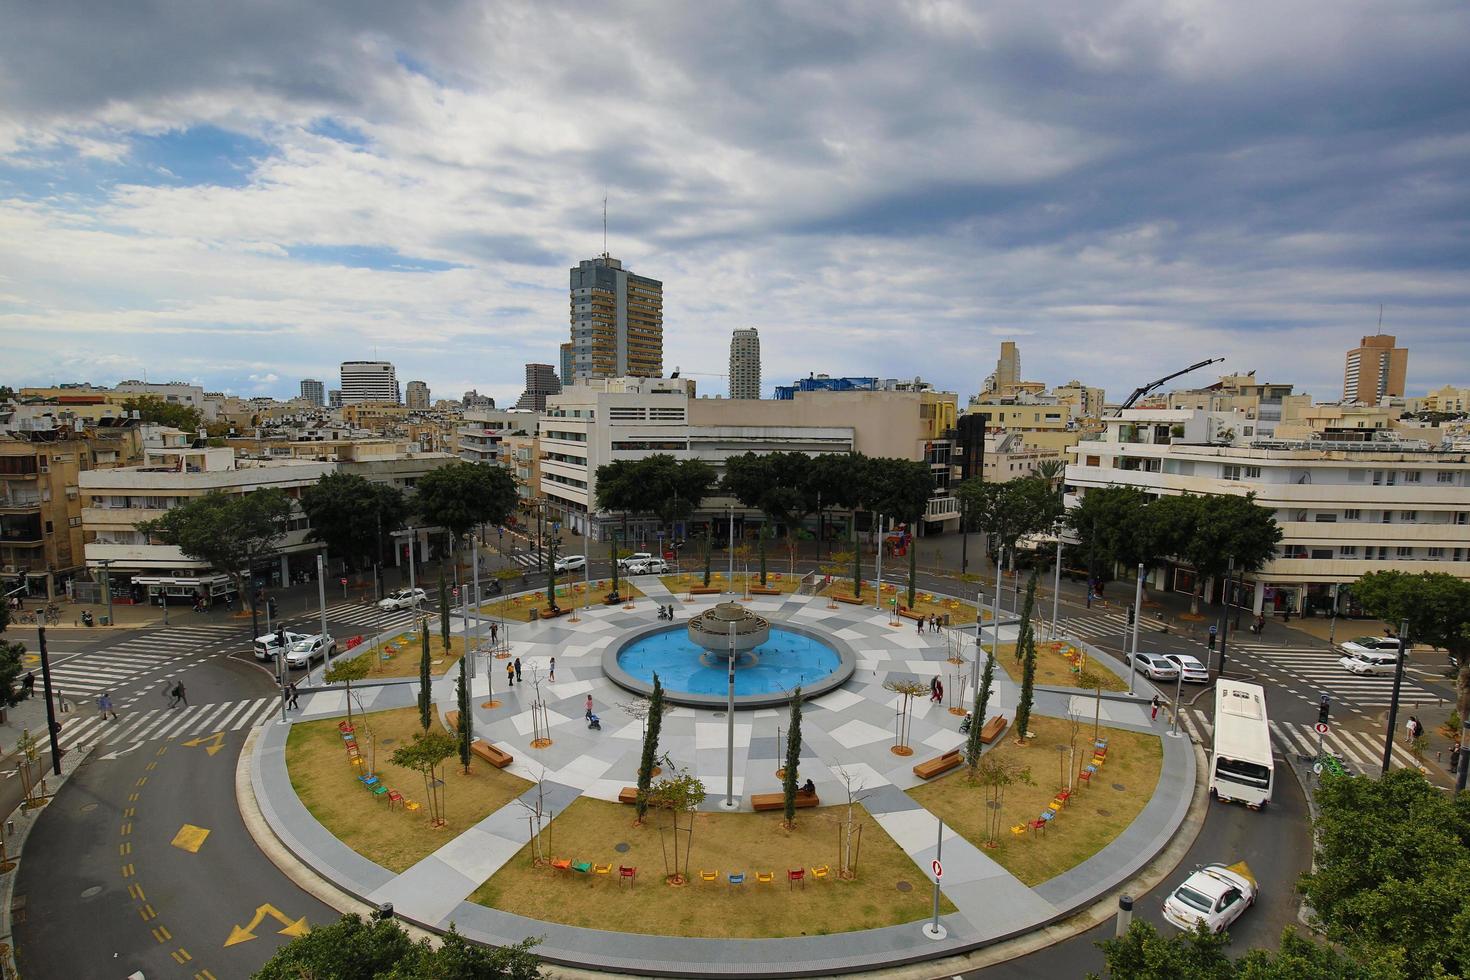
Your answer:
<point x="1371" y="661"/>
<point x="648" y="566"/>
<point x="1190" y="669"/>
<point x="1215" y="895"/>
<point x="1153" y="666"/>
<point x="266" y="647"/>
<point x="636" y="556"/>
<point x="310" y="648"/>
<point x="1371" y="644"/>
<point x="403" y="599"/>
<point x="571" y="563"/>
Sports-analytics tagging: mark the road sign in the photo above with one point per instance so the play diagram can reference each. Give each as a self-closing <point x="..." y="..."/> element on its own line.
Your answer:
<point x="938" y="869"/>
<point x="342" y="581"/>
<point x="455" y="590"/>
<point x="1321" y="728"/>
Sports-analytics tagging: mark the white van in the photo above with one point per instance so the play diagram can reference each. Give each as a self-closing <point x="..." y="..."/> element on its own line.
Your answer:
<point x="266" y="647"/>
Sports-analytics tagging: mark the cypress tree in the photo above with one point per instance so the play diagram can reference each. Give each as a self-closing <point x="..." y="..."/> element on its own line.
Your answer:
<point x="708" y="551"/>
<point x="857" y="560"/>
<point x="466" y="722"/>
<point x="914" y="566"/>
<point x="973" y="746"/>
<point x="763" y="555"/>
<point x="1026" y="644"/>
<point x="650" y="745"/>
<point x="793" y="757"/>
<point x="426" y="704"/>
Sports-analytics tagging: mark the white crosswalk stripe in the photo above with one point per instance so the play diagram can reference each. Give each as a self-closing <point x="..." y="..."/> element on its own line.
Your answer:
<point x="1321" y="669"/>
<point x="164" y="723"/>
<point x="1361" y="751"/>
<point x="364" y="614"/>
<point x="90" y="675"/>
<point x="1109" y="625"/>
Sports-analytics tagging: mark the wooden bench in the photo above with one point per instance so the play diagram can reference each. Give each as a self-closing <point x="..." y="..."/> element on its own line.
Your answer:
<point x="628" y="794"/>
<point x="705" y="590"/>
<point x="762" y="590"/>
<point x="908" y="613"/>
<point x="451" y="722"/>
<point x="939" y="764"/>
<point x="496" y="757"/>
<point x="777" y="801"/>
<point x="851" y="600"/>
<point x="993" y="728"/>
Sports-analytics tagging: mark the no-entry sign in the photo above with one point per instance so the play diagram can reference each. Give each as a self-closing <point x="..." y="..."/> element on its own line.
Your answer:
<point x="1321" y="728"/>
<point x="938" y="869"/>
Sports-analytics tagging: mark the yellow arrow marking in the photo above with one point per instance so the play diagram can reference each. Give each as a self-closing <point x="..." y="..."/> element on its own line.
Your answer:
<point x="190" y="838"/>
<point x="218" y="738"/>
<point x="292" y="929"/>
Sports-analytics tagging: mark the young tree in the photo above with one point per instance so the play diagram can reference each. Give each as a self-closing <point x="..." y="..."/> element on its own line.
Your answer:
<point x="651" y="733"/>
<point x="1026" y="646"/>
<point x="907" y="690"/>
<point x="1142" y="954"/>
<point x="426" y="702"/>
<point x="973" y="745"/>
<point x="151" y="408"/>
<point x="994" y="774"/>
<point x="230" y="531"/>
<point x="708" y="549"/>
<point x="424" y="755"/>
<point x="466" y="733"/>
<point x="680" y="794"/>
<point x="857" y="562"/>
<point x="762" y="546"/>
<point x="613" y="558"/>
<point x="850" y="840"/>
<point x="345" y="670"/>
<point x="352" y="515"/>
<point x="1112" y="526"/>
<point x="443" y="611"/>
<point x="793" y="759"/>
<point x="1092" y="679"/>
<point x="351" y="948"/>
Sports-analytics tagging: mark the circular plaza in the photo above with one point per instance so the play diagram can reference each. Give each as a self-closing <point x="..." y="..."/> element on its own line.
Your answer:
<point x="541" y="836"/>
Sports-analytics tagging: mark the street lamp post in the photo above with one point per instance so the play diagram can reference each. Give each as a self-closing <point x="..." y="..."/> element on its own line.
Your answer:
<point x="413" y="537"/>
<point x="321" y="597"/>
<point x="1056" y="585"/>
<point x="1225" y="626"/>
<point x="1137" y="615"/>
<point x="1393" y="704"/>
<point x="730" y="803"/>
<point x="878" y="584"/>
<point x="1332" y="626"/>
<point x="730" y="583"/>
<point x="995" y="615"/>
<point x="106" y="564"/>
<point x="52" y="728"/>
<point x="979" y="641"/>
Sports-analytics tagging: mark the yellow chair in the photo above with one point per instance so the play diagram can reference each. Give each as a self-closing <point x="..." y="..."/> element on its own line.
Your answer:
<point x="602" y="869"/>
<point x="413" y="804"/>
<point x="1019" y="830"/>
<point x="709" y="876"/>
<point x="765" y="877"/>
<point x="820" y="871"/>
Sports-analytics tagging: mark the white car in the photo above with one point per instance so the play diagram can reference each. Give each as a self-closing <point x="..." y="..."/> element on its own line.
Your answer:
<point x="1214" y="895"/>
<point x="1190" y="669"/>
<point x="1153" y="666"/>
<point x="571" y="563"/>
<point x="266" y="647"/>
<point x="637" y="556"/>
<point x="1371" y="662"/>
<point x="310" y="648"/>
<point x="1371" y="644"/>
<point x="403" y="599"/>
<point x="648" y="566"/>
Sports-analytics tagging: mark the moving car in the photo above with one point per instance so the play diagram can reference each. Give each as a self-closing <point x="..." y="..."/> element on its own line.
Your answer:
<point x="648" y="566"/>
<point x="266" y="647"/>
<point x="636" y="556"/>
<point x="310" y="648"/>
<point x="571" y="563"/>
<point x="1153" y="666"/>
<point x="1371" y="662"/>
<point x="403" y="599"/>
<point x="1214" y="895"/>
<point x="1190" y="669"/>
<point x="1371" y="644"/>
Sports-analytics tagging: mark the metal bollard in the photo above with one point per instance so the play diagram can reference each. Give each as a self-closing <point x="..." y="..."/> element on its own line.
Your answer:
<point x="1125" y="915"/>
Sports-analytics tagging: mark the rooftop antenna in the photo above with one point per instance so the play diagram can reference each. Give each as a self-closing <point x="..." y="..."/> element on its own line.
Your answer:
<point x="604" y="229"/>
<point x="604" y="235"/>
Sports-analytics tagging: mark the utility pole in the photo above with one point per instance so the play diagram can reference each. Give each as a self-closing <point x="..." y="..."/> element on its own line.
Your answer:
<point x="1137" y="615"/>
<point x="1056" y="585"/>
<point x="1393" y="705"/>
<point x="730" y="582"/>
<point x="321" y="598"/>
<point x="51" y="726"/>
<point x="1225" y="626"/>
<point x="413" y="540"/>
<point x="730" y="803"/>
<point x="878" y="585"/>
<point x="106" y="564"/>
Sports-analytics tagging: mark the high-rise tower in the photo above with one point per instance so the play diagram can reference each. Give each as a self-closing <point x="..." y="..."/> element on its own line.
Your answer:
<point x="745" y="363"/>
<point x="1375" y="370"/>
<point x="617" y="321"/>
<point x="541" y="381"/>
<point x="369" y="381"/>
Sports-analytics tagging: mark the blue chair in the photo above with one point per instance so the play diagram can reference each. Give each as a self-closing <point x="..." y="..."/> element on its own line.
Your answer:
<point x="737" y="879"/>
<point x="368" y="781"/>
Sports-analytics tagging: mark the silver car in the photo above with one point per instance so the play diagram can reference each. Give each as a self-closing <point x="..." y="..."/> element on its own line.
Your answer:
<point x="1153" y="666"/>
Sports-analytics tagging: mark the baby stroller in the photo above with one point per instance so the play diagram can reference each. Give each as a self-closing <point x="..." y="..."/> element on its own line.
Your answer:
<point x="594" y="723"/>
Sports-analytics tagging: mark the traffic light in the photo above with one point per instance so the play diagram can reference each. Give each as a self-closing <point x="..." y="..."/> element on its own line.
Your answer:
<point x="1323" y="709"/>
<point x="1130" y="615"/>
<point x="270" y="605"/>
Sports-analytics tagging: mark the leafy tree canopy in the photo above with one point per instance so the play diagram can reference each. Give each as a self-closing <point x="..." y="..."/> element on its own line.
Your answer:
<point x="461" y="495"/>
<point x="151" y="408"/>
<point x="661" y="485"/>
<point x="348" y="512"/>
<point x="1437" y="607"/>
<point x="1143" y="954"/>
<point x="899" y="488"/>
<point x="836" y="479"/>
<point x="1011" y="510"/>
<point x="230" y="531"/>
<point x="355" y="949"/>
<point x="1111" y="524"/>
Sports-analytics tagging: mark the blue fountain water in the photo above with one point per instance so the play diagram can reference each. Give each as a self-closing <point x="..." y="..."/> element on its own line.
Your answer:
<point x="781" y="663"/>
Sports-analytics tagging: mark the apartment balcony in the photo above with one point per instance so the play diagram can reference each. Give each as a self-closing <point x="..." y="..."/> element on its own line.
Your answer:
<point x="942" y="509"/>
<point x="1289" y="570"/>
<point x="98" y="518"/>
<point x="20" y="503"/>
<point x="1323" y="534"/>
<point x="1364" y="495"/>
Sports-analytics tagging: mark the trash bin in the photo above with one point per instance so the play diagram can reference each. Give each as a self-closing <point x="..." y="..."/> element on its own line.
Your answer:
<point x="533" y="615"/>
<point x="105" y="620"/>
<point x="946" y="619"/>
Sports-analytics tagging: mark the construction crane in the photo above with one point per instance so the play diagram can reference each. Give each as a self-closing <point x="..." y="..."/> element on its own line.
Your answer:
<point x="1155" y="385"/>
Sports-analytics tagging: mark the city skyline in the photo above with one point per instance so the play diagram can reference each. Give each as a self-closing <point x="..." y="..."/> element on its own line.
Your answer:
<point x="1129" y="192"/>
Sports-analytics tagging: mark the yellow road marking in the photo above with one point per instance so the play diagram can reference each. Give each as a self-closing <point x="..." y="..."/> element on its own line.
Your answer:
<point x="137" y="892"/>
<point x="127" y="871"/>
<point x="132" y="797"/>
<point x="204" y="975"/>
<point x="162" y="749"/>
<point x="147" y="913"/>
<point x="142" y="781"/>
<point x="151" y="766"/>
<point x="218" y="738"/>
<point x="162" y="934"/>
<point x="293" y="929"/>
<point x="190" y="838"/>
<point x="130" y="812"/>
<point x="127" y="828"/>
<point x="181" y="955"/>
<point x="124" y="849"/>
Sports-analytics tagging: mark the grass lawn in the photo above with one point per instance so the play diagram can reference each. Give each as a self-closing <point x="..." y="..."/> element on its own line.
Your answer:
<point x="784" y="581"/>
<point x="1091" y="819"/>
<point x="1053" y="668"/>
<point x="517" y="608"/>
<point x="725" y="842"/>
<point x="924" y="602"/>
<point x="403" y="661"/>
<point x="396" y="839"/>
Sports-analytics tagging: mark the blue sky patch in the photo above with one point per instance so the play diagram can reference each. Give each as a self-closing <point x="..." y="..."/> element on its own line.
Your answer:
<point x="367" y="257"/>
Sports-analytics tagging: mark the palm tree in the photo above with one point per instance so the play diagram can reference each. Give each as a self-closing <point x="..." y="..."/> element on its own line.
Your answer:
<point x="1051" y="470"/>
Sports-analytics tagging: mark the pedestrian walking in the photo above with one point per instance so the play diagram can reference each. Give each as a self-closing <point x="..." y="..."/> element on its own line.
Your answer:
<point x="589" y="707"/>
<point x="933" y="683"/>
<point x="1213" y="631"/>
<point x="104" y="706"/>
<point x="28" y="686"/>
<point x="919" y="626"/>
<point x="1089" y="598"/>
<point x="938" y="691"/>
<point x="518" y="670"/>
<point x="1285" y="617"/>
<point x="61" y="700"/>
<point x="494" y="632"/>
<point x="510" y="674"/>
<point x="292" y="695"/>
<point x="1455" y="753"/>
<point x="1415" y="729"/>
<point x="1154" y="708"/>
<point x="551" y="671"/>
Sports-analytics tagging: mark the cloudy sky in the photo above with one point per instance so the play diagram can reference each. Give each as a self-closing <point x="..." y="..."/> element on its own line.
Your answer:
<point x="244" y="194"/>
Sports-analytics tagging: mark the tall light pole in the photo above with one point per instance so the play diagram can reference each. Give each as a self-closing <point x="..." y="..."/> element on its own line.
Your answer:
<point x="1393" y="704"/>
<point x="995" y="617"/>
<point x="878" y="585"/>
<point x="730" y="583"/>
<point x="321" y="595"/>
<point x="1056" y="585"/>
<point x="730" y="803"/>
<point x="413" y="537"/>
<point x="1225" y="626"/>
<point x="979" y="641"/>
<point x="51" y="726"/>
<point x="1137" y="615"/>
<point x="106" y="564"/>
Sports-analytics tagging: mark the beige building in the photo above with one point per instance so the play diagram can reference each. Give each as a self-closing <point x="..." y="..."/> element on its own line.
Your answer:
<point x="1084" y="402"/>
<point x="1375" y="370"/>
<point x="1007" y="457"/>
<point x="416" y="396"/>
<point x="1449" y="399"/>
<point x="617" y="321"/>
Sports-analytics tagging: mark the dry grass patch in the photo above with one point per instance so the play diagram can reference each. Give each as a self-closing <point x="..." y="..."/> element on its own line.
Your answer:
<point x="926" y="603"/>
<point x="725" y="842"/>
<point x="1091" y="819"/>
<point x="399" y="657"/>
<point x="1054" y="669"/>
<point x="396" y="839"/>
<point x="517" y="608"/>
<point x="781" y="581"/>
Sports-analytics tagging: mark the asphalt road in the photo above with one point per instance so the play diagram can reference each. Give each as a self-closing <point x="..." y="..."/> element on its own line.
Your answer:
<point x="108" y="891"/>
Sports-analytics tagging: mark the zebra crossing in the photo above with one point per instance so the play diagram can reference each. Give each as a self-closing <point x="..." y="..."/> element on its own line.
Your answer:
<point x="135" y="728"/>
<point x="363" y="614"/>
<point x="1319" y="668"/>
<point x="151" y="655"/>
<point x="1092" y="627"/>
<point x="1361" y="751"/>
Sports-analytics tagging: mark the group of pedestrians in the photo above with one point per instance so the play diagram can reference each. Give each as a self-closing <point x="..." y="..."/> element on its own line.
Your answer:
<point x="936" y="690"/>
<point x="931" y="621"/>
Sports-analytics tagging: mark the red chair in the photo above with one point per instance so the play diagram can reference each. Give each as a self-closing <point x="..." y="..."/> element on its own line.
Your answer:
<point x="1038" y="825"/>
<point x="344" y="727"/>
<point x="627" y="874"/>
<point x="395" y="798"/>
<point x="795" y="875"/>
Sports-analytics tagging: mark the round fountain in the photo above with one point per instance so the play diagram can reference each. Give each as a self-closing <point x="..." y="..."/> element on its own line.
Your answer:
<point x="728" y="630"/>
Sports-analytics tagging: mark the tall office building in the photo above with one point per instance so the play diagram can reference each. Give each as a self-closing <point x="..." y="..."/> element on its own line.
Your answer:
<point x="418" y="395"/>
<point x="1008" y="368"/>
<point x="314" y="391"/>
<point x="745" y="363"/>
<point x="617" y="321"/>
<point x="1375" y="370"/>
<point x="541" y="381"/>
<point x="567" y="372"/>
<point x="334" y="398"/>
<point x="369" y="381"/>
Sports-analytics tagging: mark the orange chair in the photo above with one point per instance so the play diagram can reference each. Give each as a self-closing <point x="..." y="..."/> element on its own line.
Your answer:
<point x="562" y="864"/>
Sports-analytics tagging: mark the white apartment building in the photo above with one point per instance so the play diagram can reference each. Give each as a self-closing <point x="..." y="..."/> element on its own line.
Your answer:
<point x="174" y="393"/>
<point x="1345" y="508"/>
<point x="369" y="381"/>
<point x="484" y="429"/>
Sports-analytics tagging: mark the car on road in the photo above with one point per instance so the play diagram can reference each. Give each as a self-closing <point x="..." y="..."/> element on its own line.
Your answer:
<point x="403" y="599"/>
<point x="1371" y="662"/>
<point x="571" y="563"/>
<point x="310" y="648"/>
<point x="1191" y="671"/>
<point x="1153" y="666"/>
<point x="1215" y="895"/>
<point x="637" y="556"/>
<point x="266" y="647"/>
<point x="648" y="566"/>
<point x="1371" y="644"/>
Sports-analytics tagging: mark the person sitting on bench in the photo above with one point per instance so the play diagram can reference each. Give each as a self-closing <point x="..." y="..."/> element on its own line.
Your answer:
<point x="809" y="788"/>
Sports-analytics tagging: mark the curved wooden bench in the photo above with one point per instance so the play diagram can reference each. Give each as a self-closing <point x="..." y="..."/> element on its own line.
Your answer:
<point x="762" y="590"/>
<point x="777" y="801"/>
<point x="908" y="613"/>
<point x="940" y="764"/>
<point x="705" y="590"/>
<point x="628" y="794"/>
<point x="496" y="757"/>
<point x="993" y="728"/>
<point x="851" y="600"/>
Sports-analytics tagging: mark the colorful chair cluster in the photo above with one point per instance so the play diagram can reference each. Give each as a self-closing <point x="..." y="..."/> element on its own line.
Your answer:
<point x="1099" y="756"/>
<point x="369" y="781"/>
<point x="593" y="870"/>
<point x="794" y="876"/>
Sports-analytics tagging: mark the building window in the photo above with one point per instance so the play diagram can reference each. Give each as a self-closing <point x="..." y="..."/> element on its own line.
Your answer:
<point x="1352" y="515"/>
<point x="1347" y="551"/>
<point x="1411" y="476"/>
<point x="1252" y="472"/>
<point x="1322" y="553"/>
<point x="1408" y="516"/>
<point x="1326" y="518"/>
<point x="1445" y="476"/>
<point x="1230" y="472"/>
<point x="1404" y="552"/>
<point x="1383" y="553"/>
<point x="1436" y="553"/>
<point x="49" y="528"/>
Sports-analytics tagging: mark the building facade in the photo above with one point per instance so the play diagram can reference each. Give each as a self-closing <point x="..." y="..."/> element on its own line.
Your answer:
<point x="1375" y="370"/>
<point x="313" y="391"/>
<point x="541" y="381"/>
<point x="369" y="381"/>
<point x="566" y="364"/>
<point x="416" y="396"/>
<point x="617" y="321"/>
<point x="745" y="363"/>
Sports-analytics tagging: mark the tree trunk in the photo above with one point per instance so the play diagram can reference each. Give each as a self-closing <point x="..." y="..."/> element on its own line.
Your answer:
<point x="1199" y="587"/>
